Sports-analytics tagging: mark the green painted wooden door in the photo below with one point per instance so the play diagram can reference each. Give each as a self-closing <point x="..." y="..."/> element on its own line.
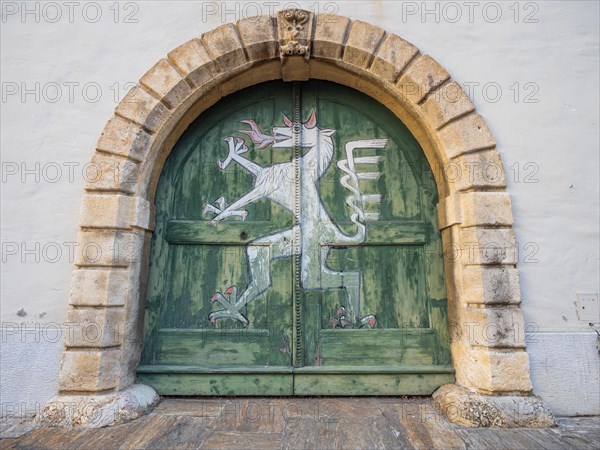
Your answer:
<point x="296" y="252"/>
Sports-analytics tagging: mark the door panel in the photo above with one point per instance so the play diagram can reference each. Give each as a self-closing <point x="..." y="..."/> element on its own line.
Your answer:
<point x="392" y="188"/>
<point x="193" y="260"/>
<point x="325" y="278"/>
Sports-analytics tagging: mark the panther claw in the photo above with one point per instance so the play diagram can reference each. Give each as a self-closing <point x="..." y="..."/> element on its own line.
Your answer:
<point x="229" y="311"/>
<point x="345" y="319"/>
<point x="228" y="314"/>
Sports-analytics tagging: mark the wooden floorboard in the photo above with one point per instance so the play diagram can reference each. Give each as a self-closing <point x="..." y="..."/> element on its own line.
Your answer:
<point x="301" y="423"/>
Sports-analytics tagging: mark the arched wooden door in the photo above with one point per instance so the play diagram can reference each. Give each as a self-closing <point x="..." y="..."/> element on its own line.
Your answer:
<point x="296" y="252"/>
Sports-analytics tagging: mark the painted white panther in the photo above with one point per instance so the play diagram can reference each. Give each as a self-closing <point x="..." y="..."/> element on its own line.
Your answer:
<point x="313" y="226"/>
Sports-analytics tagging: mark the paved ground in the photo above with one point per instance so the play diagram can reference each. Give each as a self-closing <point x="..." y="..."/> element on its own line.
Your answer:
<point x="316" y="423"/>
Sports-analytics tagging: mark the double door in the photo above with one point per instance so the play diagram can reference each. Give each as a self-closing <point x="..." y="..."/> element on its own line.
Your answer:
<point x="296" y="252"/>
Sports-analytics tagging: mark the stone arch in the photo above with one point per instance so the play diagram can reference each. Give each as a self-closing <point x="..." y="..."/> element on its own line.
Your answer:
<point x="475" y="218"/>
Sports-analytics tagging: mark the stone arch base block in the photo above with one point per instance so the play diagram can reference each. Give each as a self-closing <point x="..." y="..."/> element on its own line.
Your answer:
<point x="96" y="411"/>
<point x="474" y="212"/>
<point x="471" y="409"/>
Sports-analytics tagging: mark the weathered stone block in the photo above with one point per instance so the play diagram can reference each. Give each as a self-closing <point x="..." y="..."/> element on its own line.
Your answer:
<point x="142" y="108"/>
<point x="445" y="104"/>
<point x="471" y="409"/>
<point x="225" y="47"/>
<point x="473" y="171"/>
<point x="101" y="410"/>
<point x="490" y="285"/>
<point x="124" y="138"/>
<point x="362" y="41"/>
<point x="111" y="173"/>
<point x="423" y="75"/>
<point x="116" y="211"/>
<point x="467" y="134"/>
<point x="193" y="61"/>
<point x="486" y="208"/>
<point x="95" y="327"/>
<point x="494" y="326"/>
<point x="108" y="248"/>
<point x="100" y="287"/>
<point x="107" y="211"/>
<point x="497" y="371"/>
<point x="392" y="57"/>
<point x="259" y="38"/>
<point x="166" y="83"/>
<point x="488" y="246"/>
<point x="329" y="36"/>
<point x="89" y="370"/>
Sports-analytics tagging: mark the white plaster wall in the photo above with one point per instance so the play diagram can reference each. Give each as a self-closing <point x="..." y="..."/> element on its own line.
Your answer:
<point x="551" y="45"/>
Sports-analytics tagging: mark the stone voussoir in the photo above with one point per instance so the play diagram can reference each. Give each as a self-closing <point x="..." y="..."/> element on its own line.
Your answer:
<point x="108" y="248"/>
<point x="259" y="37"/>
<point x="446" y="104"/>
<point x="107" y="211"/>
<point x="476" y="171"/>
<point x="143" y="108"/>
<point x="124" y="138"/>
<point x="361" y="44"/>
<point x="422" y="76"/>
<point x="225" y="47"/>
<point x="465" y="135"/>
<point x="165" y="82"/>
<point x="99" y="287"/>
<point x="392" y="58"/>
<point x="486" y="208"/>
<point x="329" y="36"/>
<point x="477" y="208"/>
<point x="111" y="173"/>
<point x="112" y="210"/>
<point x="193" y="61"/>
